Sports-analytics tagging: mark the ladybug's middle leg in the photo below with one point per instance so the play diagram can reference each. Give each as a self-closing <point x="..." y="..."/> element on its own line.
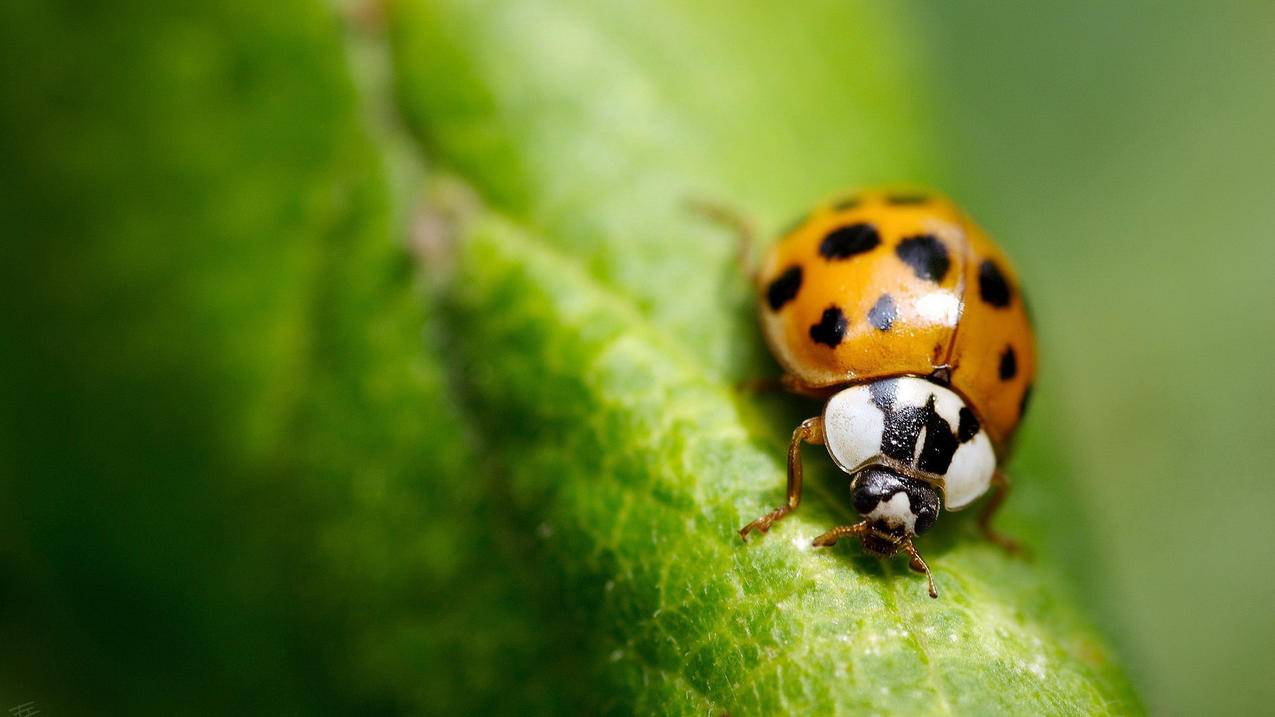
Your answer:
<point x="810" y="431"/>
<point x="1000" y="483"/>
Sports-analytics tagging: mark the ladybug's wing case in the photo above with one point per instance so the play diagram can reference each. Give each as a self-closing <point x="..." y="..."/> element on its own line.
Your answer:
<point x="864" y="288"/>
<point x="994" y="352"/>
<point x="884" y="285"/>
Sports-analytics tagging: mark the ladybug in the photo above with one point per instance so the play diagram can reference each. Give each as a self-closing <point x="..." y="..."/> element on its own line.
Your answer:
<point x="909" y="322"/>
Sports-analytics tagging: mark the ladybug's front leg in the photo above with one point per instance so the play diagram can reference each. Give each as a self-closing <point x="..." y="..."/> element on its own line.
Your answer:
<point x="810" y="431"/>
<point x="830" y="538"/>
<point x="917" y="563"/>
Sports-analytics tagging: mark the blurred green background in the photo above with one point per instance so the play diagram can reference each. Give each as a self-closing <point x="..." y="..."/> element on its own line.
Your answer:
<point x="1122" y="150"/>
<point x="218" y="403"/>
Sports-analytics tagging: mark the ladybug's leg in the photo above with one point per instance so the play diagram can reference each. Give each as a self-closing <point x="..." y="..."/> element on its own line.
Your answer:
<point x="810" y="431"/>
<point x="832" y="536"/>
<point x="1000" y="483"/>
<point x="918" y="564"/>
<point x="736" y="223"/>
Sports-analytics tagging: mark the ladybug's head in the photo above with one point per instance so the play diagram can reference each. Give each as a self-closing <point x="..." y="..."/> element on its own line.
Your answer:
<point x="896" y="507"/>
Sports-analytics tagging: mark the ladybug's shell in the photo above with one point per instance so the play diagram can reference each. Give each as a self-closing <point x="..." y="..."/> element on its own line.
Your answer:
<point x="881" y="284"/>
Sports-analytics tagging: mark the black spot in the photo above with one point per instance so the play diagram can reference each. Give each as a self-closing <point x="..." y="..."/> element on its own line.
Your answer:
<point x="796" y="224"/>
<point x="883" y="313"/>
<point x="940" y="445"/>
<point x="902" y="428"/>
<point x="969" y="425"/>
<point x="831" y="327"/>
<point x="1009" y="364"/>
<point x="883" y="393"/>
<point x="926" y="255"/>
<point x="846" y="203"/>
<point x="1022" y="403"/>
<point x="906" y="199"/>
<point x="784" y="288"/>
<point x="992" y="285"/>
<point x="845" y="242"/>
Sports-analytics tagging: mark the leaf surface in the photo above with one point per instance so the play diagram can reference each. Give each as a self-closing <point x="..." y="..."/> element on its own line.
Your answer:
<point x="599" y="331"/>
<point x="236" y="478"/>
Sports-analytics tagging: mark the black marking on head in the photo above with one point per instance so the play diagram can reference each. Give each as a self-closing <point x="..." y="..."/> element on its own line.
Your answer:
<point x="899" y="200"/>
<point x="1009" y="364"/>
<point x="883" y="313"/>
<point x="845" y="242"/>
<point x="926" y="255"/>
<point x="992" y="285"/>
<point x="902" y="429"/>
<point x="796" y="224"/>
<point x="969" y="425"/>
<point x="846" y="203"/>
<point x="831" y="327"/>
<point x="784" y="288"/>
<point x="1022" y="403"/>
<point x="871" y="486"/>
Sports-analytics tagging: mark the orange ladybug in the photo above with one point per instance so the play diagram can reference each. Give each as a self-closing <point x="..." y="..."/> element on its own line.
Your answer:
<point x="905" y="316"/>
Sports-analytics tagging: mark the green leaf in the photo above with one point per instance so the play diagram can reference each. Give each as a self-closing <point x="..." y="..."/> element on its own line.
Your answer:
<point x="599" y="330"/>
<point x="235" y="478"/>
<point x="595" y="122"/>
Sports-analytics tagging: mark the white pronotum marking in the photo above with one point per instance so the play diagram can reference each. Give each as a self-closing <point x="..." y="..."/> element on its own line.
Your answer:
<point x="853" y="426"/>
<point x="971" y="471"/>
<point x="920" y="444"/>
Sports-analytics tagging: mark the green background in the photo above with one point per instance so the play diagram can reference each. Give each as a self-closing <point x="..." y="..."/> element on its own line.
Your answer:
<point x="255" y="459"/>
<point x="1122" y="151"/>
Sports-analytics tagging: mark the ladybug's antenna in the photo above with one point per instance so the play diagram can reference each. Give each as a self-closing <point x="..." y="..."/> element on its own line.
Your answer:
<point x="918" y="564"/>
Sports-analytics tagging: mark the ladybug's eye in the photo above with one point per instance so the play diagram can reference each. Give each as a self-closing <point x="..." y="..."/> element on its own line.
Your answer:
<point x="925" y="516"/>
<point x="872" y="486"/>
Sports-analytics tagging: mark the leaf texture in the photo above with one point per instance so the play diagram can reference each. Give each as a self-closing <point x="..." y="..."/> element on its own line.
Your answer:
<point x="600" y="331"/>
